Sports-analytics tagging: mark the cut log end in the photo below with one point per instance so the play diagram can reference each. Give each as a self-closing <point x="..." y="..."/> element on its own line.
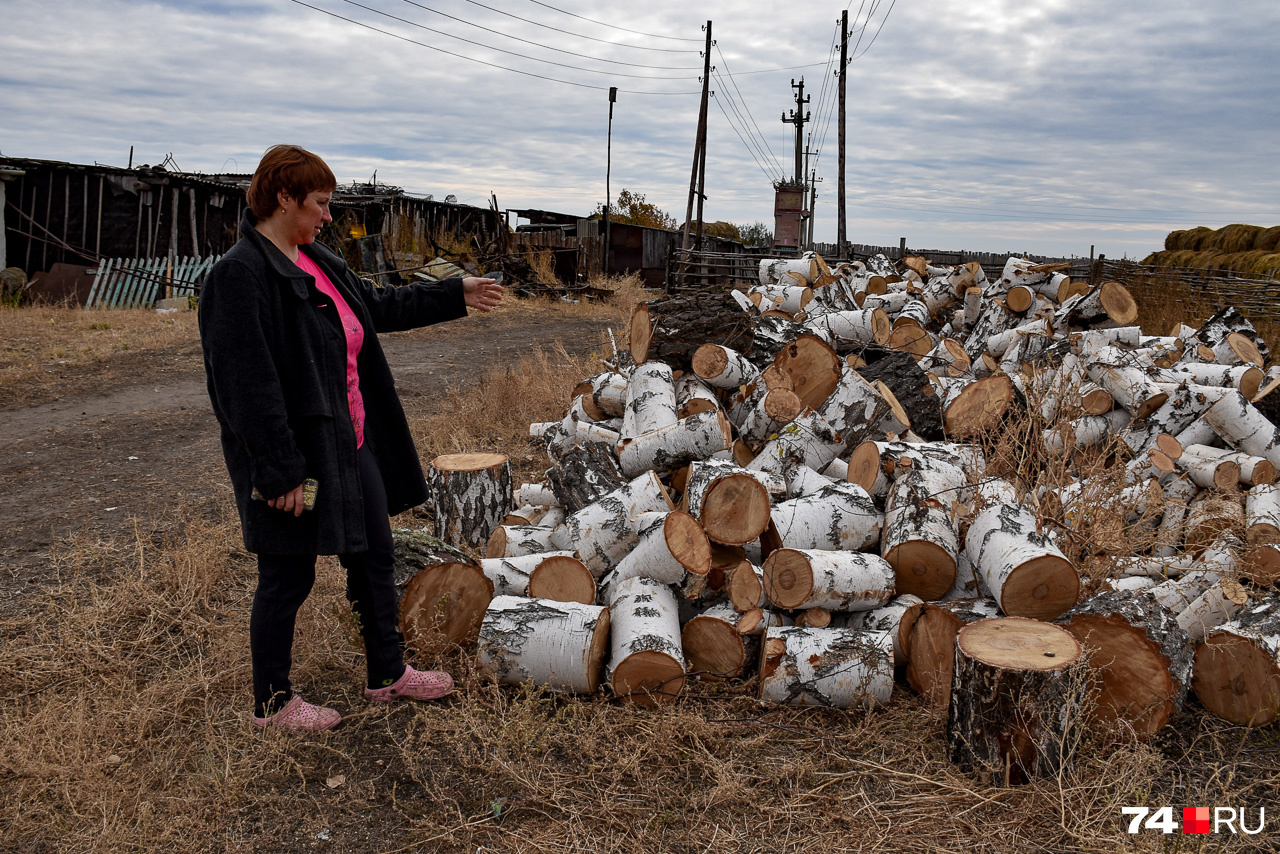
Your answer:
<point x="980" y="406"/>
<point x="446" y="601"/>
<point x="468" y="462"/>
<point x="1043" y="588"/>
<point x="563" y="579"/>
<point x="714" y="647"/>
<point x="1118" y="303"/>
<point x="1019" y="643"/>
<point x="789" y="578"/>
<point x="1236" y="680"/>
<point x="648" y="678"/>
<point x="1131" y="675"/>
<point x="735" y="509"/>
<point x="922" y="568"/>
<point x="864" y="465"/>
<point x="641" y="334"/>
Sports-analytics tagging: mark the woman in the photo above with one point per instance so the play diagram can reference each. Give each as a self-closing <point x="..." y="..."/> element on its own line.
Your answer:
<point x="302" y="393"/>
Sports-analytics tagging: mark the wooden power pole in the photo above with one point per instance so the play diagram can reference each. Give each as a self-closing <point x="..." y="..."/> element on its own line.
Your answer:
<point x="697" y="180"/>
<point x="841" y="234"/>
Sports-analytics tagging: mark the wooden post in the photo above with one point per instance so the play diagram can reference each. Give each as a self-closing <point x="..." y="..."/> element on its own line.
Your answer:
<point x="700" y="144"/>
<point x="841" y="236"/>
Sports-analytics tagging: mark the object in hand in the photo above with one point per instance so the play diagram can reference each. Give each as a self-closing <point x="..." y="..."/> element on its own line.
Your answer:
<point x="310" y="487"/>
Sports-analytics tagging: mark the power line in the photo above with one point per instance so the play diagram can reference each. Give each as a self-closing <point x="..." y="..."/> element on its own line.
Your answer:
<point x="507" y="52"/>
<point x="581" y="36"/>
<point x="743" y="99"/>
<point x="539" y="44"/>
<point x="481" y="61"/>
<point x="611" y="26"/>
<point x="878" y="29"/>
<point x="744" y="142"/>
<point x="754" y="140"/>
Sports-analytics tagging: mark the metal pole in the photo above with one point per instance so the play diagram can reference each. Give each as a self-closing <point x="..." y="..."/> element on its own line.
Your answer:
<point x="608" y="170"/>
<point x="841" y="233"/>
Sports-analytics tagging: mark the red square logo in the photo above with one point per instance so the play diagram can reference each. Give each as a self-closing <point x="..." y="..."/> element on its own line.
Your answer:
<point x="1195" y="819"/>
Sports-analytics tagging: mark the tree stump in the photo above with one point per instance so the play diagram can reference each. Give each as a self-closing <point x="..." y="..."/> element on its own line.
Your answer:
<point x="836" y="668"/>
<point x="933" y="645"/>
<point x="556" y="645"/>
<point x="671" y="329"/>
<point x="1017" y="700"/>
<point x="585" y="473"/>
<point x="1237" y="667"/>
<point x="443" y="594"/>
<point x="468" y="495"/>
<point x="1140" y="660"/>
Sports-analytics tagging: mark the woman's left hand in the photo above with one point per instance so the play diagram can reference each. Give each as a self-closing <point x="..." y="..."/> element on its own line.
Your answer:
<point x="483" y="294"/>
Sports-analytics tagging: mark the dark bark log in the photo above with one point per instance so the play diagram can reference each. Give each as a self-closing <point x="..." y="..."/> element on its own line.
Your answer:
<point x="1139" y="657"/>
<point x="585" y="473"/>
<point x="671" y="329"/>
<point x="443" y="593"/>
<point x="910" y="386"/>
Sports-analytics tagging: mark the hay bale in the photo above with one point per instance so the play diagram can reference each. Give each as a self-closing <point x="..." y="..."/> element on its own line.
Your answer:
<point x="1171" y="241"/>
<point x="1268" y="240"/>
<point x="1191" y="239"/>
<point x="1267" y="265"/>
<point x="1233" y="238"/>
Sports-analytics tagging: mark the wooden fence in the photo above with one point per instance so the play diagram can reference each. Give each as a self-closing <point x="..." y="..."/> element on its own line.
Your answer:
<point x="1194" y="288"/>
<point x="138" y="282"/>
<point x="580" y="255"/>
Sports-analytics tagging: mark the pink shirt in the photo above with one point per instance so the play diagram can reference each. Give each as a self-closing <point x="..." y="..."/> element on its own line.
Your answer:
<point x="355" y="340"/>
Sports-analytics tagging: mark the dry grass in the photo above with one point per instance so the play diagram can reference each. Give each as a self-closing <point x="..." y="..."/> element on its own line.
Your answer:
<point x="1165" y="301"/>
<point x="39" y="343"/>
<point x="124" y="707"/>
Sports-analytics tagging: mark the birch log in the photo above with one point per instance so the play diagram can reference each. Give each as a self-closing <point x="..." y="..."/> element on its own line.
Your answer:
<point x="694" y="438"/>
<point x="717" y="644"/>
<point x="839" y="517"/>
<point x="646" y="663"/>
<point x="1019" y="565"/>
<point x="1017" y="700"/>
<point x="896" y="618"/>
<point x="836" y="580"/>
<point x="555" y="645"/>
<point x="721" y="367"/>
<point x="468" y="495"/>
<point x="836" y="668"/>
<point x="603" y="532"/>
<point x="651" y="400"/>
<point x="670" y="548"/>
<point x="1237" y="667"/>
<point x="517" y="540"/>
<point x="919" y="538"/>
<point x="731" y="503"/>
<point x="1243" y="427"/>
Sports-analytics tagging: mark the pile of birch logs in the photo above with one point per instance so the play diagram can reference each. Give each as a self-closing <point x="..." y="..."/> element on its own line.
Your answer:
<point x="1002" y="488"/>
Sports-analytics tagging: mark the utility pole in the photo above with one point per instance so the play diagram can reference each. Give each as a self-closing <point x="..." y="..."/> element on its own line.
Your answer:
<point x="813" y="190"/>
<point x="608" y="170"/>
<point x="697" y="181"/>
<point x="841" y="235"/>
<point x="813" y="203"/>
<point x="798" y="118"/>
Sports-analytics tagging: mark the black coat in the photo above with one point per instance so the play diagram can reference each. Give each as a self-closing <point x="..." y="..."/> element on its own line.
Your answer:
<point x="275" y="358"/>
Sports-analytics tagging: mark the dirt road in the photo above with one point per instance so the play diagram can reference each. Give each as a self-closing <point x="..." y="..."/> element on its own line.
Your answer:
<point x="104" y="459"/>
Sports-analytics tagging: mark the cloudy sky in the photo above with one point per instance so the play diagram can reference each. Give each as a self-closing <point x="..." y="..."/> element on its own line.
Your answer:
<point x="1045" y="126"/>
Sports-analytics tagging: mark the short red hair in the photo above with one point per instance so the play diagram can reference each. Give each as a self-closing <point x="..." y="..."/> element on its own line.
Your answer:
<point x="292" y="169"/>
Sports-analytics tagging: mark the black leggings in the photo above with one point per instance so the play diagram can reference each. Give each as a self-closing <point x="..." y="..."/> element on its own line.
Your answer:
<point x="284" y="581"/>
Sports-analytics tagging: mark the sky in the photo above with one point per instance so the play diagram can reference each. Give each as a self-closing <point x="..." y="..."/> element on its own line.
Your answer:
<point x="1042" y="126"/>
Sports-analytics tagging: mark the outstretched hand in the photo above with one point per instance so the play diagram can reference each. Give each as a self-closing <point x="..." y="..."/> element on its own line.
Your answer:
<point x="483" y="294"/>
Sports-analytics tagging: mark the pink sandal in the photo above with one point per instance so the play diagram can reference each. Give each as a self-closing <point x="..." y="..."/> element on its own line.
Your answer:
<point x="414" y="684"/>
<point x="298" y="715"/>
